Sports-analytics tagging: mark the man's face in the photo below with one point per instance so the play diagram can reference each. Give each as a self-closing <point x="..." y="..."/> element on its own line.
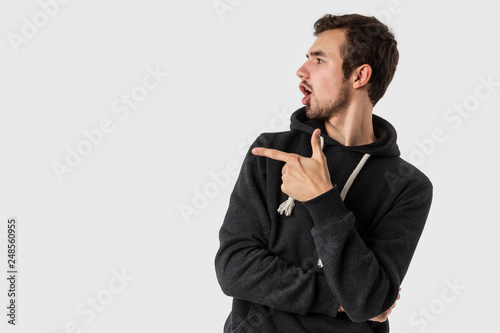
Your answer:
<point x="326" y="93"/>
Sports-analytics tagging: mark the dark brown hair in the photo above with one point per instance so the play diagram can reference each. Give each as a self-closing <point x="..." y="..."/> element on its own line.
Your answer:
<point x="368" y="41"/>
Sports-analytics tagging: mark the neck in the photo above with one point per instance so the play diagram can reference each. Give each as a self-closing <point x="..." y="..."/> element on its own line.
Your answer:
<point x="353" y="126"/>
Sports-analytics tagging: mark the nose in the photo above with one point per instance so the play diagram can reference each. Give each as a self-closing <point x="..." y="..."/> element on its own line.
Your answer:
<point x="302" y="72"/>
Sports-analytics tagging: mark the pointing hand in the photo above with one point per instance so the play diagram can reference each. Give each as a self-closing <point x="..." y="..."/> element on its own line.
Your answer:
<point x="304" y="178"/>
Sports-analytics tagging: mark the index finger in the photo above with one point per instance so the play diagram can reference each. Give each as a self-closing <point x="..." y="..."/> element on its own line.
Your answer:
<point x="272" y="153"/>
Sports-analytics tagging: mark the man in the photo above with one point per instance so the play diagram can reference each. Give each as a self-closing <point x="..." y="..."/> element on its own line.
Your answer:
<point x="324" y="219"/>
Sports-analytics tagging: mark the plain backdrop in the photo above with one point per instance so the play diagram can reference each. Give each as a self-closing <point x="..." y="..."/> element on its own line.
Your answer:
<point x="145" y="199"/>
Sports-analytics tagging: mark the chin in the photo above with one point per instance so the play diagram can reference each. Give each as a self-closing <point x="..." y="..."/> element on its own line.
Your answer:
<point x="309" y="112"/>
<point x="312" y="113"/>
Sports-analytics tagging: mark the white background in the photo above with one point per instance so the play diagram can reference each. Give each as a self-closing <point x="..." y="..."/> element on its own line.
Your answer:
<point x="230" y="74"/>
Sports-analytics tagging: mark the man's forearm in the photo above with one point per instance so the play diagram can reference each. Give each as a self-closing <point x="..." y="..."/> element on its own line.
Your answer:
<point x="374" y="273"/>
<point x="257" y="276"/>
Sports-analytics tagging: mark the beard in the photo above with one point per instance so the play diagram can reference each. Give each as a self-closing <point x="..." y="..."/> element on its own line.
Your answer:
<point x="327" y="110"/>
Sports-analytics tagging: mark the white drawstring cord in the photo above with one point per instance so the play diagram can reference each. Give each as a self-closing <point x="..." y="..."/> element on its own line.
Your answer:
<point x="348" y="184"/>
<point x="287" y="206"/>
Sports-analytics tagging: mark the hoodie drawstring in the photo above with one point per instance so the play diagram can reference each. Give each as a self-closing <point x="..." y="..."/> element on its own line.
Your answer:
<point x="353" y="176"/>
<point x="286" y="207"/>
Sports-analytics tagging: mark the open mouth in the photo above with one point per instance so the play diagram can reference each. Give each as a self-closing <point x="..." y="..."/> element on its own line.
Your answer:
<point x="307" y="93"/>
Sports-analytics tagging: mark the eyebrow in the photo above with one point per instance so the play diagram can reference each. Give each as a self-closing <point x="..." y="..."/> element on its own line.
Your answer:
<point x="317" y="54"/>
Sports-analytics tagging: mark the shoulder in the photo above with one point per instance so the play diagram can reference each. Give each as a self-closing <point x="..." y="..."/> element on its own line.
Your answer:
<point x="406" y="179"/>
<point x="288" y="141"/>
<point x="276" y="138"/>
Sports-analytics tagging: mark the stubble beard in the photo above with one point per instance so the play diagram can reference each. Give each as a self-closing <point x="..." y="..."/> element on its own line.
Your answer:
<point x="325" y="112"/>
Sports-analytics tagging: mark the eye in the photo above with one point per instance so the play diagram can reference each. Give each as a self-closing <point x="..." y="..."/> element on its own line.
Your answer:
<point x="320" y="60"/>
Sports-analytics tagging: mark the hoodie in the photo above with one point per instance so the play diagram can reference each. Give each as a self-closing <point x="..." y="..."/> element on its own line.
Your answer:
<point x="291" y="273"/>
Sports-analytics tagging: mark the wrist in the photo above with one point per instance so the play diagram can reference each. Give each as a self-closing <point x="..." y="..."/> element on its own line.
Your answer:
<point x="320" y="191"/>
<point x="327" y="207"/>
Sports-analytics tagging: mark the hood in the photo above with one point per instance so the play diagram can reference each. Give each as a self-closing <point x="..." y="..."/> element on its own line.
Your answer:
<point x="385" y="145"/>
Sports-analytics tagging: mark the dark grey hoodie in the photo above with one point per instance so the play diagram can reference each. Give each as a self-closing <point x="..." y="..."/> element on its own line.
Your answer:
<point x="268" y="262"/>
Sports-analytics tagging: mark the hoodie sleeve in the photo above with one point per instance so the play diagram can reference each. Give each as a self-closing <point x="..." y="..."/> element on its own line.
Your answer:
<point x="247" y="270"/>
<point x="365" y="274"/>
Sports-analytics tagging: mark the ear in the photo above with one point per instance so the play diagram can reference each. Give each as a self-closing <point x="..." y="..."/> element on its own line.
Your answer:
<point x="362" y="76"/>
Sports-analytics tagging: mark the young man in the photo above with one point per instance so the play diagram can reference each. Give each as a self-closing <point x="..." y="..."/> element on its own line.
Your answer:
<point x="324" y="219"/>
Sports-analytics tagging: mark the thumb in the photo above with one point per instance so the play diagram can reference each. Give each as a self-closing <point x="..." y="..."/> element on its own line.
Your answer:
<point x="317" y="152"/>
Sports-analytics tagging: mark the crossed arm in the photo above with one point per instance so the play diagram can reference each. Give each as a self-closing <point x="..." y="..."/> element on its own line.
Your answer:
<point x="306" y="178"/>
<point x="381" y="317"/>
<point x="243" y="263"/>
